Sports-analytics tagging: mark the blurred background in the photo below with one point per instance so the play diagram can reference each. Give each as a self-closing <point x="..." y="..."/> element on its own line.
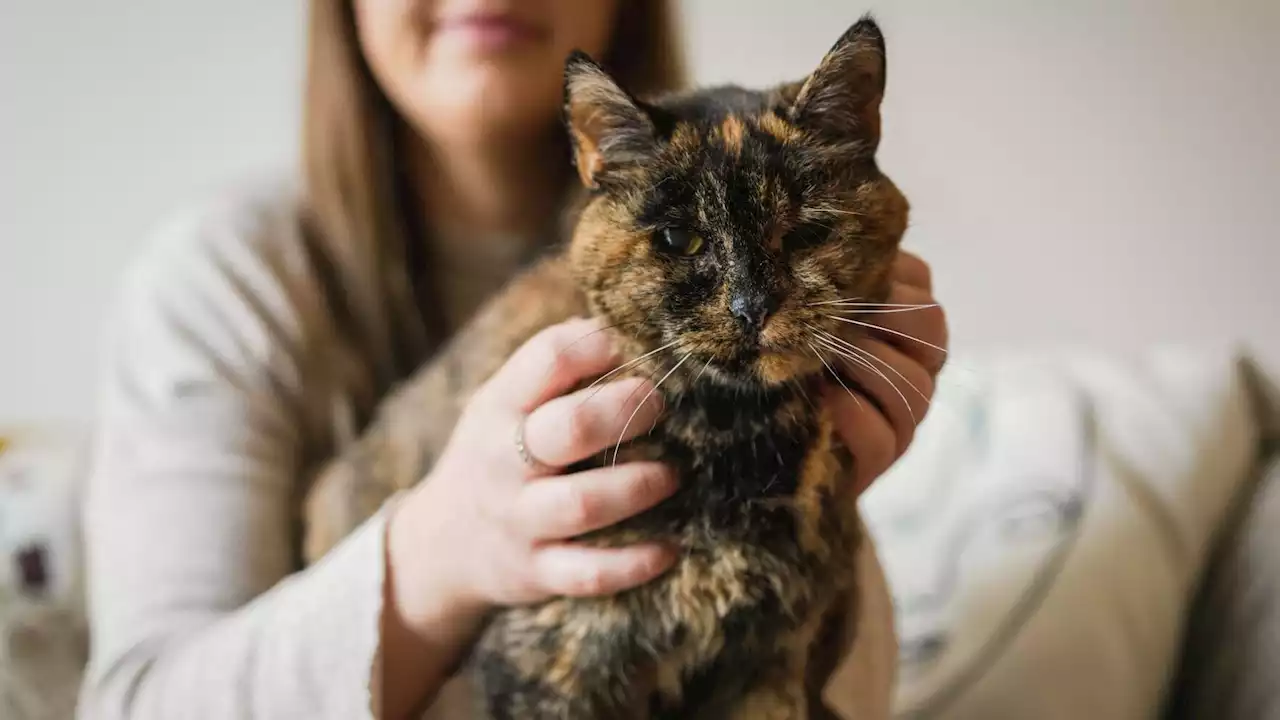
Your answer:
<point x="1101" y="174"/>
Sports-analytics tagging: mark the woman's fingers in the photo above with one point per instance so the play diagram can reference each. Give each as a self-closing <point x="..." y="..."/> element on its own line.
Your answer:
<point x="908" y="268"/>
<point x="865" y="431"/>
<point x="576" y="426"/>
<point x="552" y="362"/>
<point x="898" y="357"/>
<point x="899" y="385"/>
<point x="580" y="571"/>
<point x="919" y="329"/>
<point x="556" y="508"/>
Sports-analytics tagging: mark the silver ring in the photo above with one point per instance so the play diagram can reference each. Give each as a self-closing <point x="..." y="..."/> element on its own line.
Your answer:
<point x="530" y="461"/>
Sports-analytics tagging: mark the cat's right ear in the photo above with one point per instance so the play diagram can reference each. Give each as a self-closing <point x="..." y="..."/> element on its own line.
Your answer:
<point x="841" y="99"/>
<point x="608" y="127"/>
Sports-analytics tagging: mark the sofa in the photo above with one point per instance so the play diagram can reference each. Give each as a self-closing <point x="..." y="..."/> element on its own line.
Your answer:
<point x="1072" y="535"/>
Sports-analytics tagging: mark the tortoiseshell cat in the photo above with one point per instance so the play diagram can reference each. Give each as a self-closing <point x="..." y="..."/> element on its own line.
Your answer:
<point x="718" y="220"/>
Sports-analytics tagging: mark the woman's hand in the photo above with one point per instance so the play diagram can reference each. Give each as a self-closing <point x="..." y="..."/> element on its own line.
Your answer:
<point x="497" y="524"/>
<point x="892" y="398"/>
<point x="490" y="527"/>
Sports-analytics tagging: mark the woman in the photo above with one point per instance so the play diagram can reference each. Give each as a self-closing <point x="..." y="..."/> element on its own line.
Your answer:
<point x="264" y="328"/>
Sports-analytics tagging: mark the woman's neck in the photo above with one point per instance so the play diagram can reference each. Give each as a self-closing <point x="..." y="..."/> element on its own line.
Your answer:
<point x="475" y="188"/>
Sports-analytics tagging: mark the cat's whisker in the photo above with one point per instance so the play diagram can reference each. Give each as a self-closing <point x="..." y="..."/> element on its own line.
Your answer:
<point x="860" y="362"/>
<point x="903" y="335"/>
<point x="953" y="367"/>
<point x="618" y="446"/>
<point x="824" y="226"/>
<point x="799" y="386"/>
<point x="853" y="306"/>
<point x="614" y="326"/>
<point x="872" y="356"/>
<point x="840" y="352"/>
<point x="593" y="332"/>
<point x="930" y="404"/>
<point x="628" y="364"/>
<point x="834" y="302"/>
<point x="855" y="303"/>
<point x="705" y="365"/>
<point x="820" y="210"/>
<point x="888" y="310"/>
<point x="836" y="374"/>
<point x="843" y="354"/>
<point x="884" y="311"/>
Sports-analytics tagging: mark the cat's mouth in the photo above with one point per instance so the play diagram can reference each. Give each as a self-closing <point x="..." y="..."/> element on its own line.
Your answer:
<point x="756" y="364"/>
<point x="779" y="352"/>
<point x="739" y="361"/>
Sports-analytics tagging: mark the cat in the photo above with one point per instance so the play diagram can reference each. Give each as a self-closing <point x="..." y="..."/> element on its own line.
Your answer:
<point x="720" y="220"/>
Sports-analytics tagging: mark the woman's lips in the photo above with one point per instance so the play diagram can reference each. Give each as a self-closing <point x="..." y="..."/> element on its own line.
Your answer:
<point x="489" y="31"/>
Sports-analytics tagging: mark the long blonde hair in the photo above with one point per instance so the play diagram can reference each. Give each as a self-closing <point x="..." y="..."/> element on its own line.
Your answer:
<point x="358" y="217"/>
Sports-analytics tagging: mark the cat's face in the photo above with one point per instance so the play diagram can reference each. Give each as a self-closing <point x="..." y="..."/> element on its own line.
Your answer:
<point x="720" y="221"/>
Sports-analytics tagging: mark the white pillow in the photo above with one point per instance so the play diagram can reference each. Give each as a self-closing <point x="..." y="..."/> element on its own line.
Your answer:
<point x="1044" y="534"/>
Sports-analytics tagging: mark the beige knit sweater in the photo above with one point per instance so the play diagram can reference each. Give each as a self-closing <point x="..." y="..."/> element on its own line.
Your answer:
<point x="225" y="383"/>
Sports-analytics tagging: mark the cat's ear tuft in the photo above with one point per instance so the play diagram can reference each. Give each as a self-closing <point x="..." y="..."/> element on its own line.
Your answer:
<point x="841" y="99"/>
<point x="608" y="127"/>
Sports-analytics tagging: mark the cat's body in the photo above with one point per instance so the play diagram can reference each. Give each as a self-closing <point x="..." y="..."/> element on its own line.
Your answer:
<point x="718" y="222"/>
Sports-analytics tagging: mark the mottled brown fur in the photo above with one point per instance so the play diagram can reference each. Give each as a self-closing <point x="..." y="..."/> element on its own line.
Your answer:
<point x="781" y="191"/>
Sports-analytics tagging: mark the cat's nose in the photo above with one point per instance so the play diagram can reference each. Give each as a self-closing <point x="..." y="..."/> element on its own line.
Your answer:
<point x="752" y="309"/>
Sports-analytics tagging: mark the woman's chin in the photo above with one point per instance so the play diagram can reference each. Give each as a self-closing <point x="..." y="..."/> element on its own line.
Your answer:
<point x="483" y="99"/>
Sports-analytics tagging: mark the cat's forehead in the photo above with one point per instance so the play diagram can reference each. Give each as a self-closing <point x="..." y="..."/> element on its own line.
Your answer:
<point x="710" y="105"/>
<point x="732" y="160"/>
<point x="731" y="119"/>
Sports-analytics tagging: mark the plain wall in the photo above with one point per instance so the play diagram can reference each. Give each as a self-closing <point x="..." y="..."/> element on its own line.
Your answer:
<point x="1088" y="173"/>
<point x="110" y="114"/>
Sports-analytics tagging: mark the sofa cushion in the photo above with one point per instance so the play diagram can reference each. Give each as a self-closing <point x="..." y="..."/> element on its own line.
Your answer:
<point x="1044" y="534"/>
<point x="1232" y="643"/>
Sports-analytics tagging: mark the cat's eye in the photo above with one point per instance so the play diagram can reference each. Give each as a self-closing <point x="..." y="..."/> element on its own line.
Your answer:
<point x="682" y="242"/>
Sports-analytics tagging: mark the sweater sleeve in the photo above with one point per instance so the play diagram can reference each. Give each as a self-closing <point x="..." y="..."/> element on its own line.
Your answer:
<point x="190" y="516"/>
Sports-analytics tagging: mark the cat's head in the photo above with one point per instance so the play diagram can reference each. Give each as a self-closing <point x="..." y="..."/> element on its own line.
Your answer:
<point x="720" y="221"/>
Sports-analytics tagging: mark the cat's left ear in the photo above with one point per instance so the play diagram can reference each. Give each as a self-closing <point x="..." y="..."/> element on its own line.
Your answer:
<point x="607" y="126"/>
<point x="840" y="100"/>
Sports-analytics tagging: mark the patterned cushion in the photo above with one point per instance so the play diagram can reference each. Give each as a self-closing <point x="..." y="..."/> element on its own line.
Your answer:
<point x="1044" y="535"/>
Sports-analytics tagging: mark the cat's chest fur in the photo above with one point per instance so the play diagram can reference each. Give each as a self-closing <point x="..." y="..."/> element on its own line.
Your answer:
<point x="756" y="466"/>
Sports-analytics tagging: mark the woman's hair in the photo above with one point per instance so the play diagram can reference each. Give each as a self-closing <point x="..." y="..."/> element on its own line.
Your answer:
<point x="357" y="214"/>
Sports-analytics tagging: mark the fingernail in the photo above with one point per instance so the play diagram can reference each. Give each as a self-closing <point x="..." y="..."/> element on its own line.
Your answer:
<point x="672" y="552"/>
<point x="670" y="480"/>
<point x="664" y="556"/>
<point x="645" y="390"/>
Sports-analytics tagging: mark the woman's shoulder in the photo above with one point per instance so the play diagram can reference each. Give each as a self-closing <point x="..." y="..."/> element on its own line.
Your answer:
<point x="222" y="276"/>
<point x="251" y="217"/>
<point x="243" y="237"/>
